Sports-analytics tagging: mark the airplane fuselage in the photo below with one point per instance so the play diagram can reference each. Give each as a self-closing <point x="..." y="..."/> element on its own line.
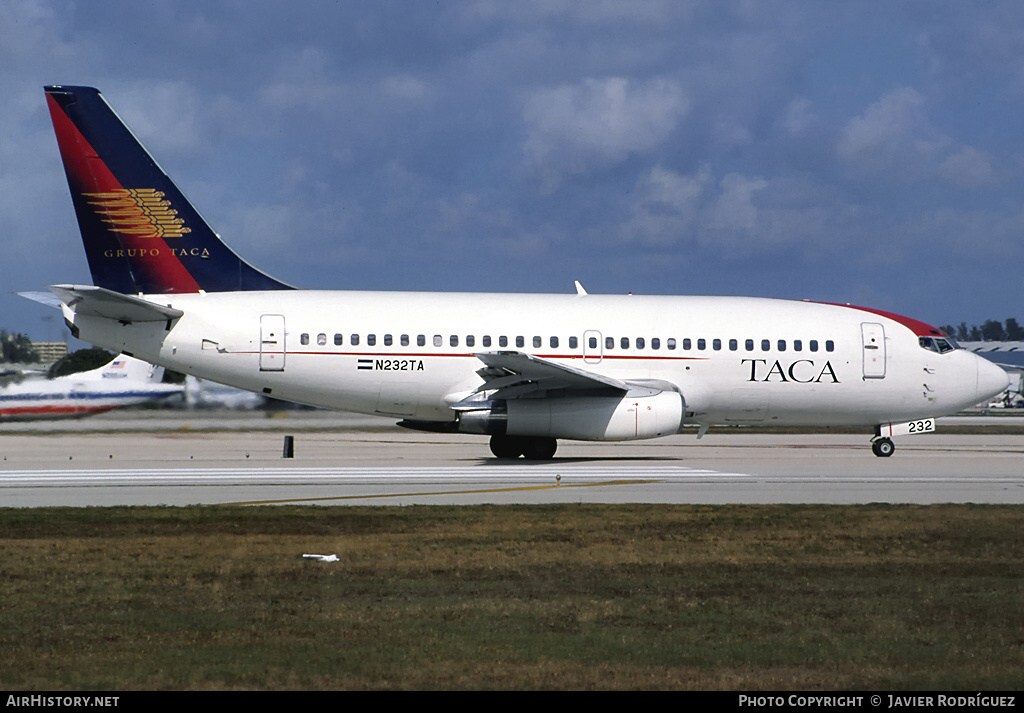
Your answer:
<point x="412" y="355"/>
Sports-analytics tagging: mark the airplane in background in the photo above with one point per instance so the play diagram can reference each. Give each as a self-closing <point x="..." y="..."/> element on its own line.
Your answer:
<point x="524" y="369"/>
<point x="124" y="381"/>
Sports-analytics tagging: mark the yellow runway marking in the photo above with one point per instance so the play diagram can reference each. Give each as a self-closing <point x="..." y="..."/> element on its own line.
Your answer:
<point x="445" y="492"/>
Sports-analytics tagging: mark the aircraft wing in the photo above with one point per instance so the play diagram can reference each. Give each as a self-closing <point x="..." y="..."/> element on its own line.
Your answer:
<point x="517" y="375"/>
<point x="99" y="302"/>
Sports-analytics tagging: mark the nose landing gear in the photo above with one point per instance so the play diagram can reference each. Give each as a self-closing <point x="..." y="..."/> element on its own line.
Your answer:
<point x="883" y="447"/>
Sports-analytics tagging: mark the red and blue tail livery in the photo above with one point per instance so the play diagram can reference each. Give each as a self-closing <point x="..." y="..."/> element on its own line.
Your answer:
<point x="141" y="234"/>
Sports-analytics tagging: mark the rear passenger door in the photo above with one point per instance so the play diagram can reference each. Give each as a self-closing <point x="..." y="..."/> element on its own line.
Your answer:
<point x="272" y="346"/>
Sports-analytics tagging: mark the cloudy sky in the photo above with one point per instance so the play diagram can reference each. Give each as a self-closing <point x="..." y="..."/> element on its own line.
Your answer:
<point x="865" y="152"/>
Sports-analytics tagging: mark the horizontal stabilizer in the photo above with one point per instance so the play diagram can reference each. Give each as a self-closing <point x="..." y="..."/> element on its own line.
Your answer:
<point x="90" y="301"/>
<point x="45" y="298"/>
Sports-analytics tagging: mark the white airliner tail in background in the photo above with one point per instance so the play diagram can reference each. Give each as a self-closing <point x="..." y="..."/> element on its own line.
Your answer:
<point x="124" y="381"/>
<point x="525" y="370"/>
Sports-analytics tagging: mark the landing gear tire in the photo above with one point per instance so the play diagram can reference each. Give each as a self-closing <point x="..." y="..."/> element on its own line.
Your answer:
<point x="539" y="448"/>
<point x="506" y="446"/>
<point x="883" y="447"/>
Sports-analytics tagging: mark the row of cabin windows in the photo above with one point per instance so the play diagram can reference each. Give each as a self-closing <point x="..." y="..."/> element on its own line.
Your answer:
<point x="782" y="345"/>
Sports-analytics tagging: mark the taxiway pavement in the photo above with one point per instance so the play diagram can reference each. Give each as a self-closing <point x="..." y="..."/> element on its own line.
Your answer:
<point x="349" y="460"/>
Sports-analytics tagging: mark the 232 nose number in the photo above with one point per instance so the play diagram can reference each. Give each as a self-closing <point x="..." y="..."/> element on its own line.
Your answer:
<point x="924" y="426"/>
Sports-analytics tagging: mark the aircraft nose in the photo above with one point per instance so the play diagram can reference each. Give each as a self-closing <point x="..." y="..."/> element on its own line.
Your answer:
<point x="991" y="379"/>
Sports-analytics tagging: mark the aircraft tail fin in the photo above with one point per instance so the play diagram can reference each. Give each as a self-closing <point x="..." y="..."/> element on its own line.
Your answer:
<point x="141" y="234"/>
<point x="124" y="369"/>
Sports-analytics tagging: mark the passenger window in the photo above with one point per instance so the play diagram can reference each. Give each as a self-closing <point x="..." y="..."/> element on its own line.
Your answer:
<point x="624" y="341"/>
<point x="321" y="339"/>
<point x="337" y="340"/>
<point x="487" y="340"/>
<point x="813" y="345"/>
<point x="830" y="346"/>
<point x="537" y="342"/>
<point x="702" y="344"/>
<point x="609" y="342"/>
<point x="782" y="345"/>
<point x="354" y="341"/>
<point x="371" y="340"/>
<point x="716" y="344"/>
<point x="304" y="338"/>
<point x="733" y="345"/>
<point x="592" y="342"/>
<point x="502" y="341"/>
<point x="405" y="340"/>
<point x="749" y="345"/>
<point x="640" y="343"/>
<point x="655" y="343"/>
<point x="765" y="345"/>
<point x="798" y="345"/>
<point x="387" y="340"/>
<point x="421" y="340"/>
<point x="437" y="340"/>
<point x="453" y="340"/>
<point x="573" y="343"/>
<point x="553" y="341"/>
<point x="520" y="342"/>
<point x="470" y="340"/>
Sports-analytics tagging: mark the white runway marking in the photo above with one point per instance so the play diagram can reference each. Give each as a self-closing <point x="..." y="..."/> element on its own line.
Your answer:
<point x="385" y="475"/>
<point x="281" y="475"/>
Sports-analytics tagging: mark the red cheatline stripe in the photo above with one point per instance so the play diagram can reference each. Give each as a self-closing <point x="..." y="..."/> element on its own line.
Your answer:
<point x="52" y="410"/>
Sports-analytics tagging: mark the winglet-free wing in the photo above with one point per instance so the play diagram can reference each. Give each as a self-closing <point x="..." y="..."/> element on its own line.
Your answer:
<point x="517" y="375"/>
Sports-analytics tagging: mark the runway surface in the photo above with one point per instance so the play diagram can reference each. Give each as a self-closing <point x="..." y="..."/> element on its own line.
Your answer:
<point x="345" y="460"/>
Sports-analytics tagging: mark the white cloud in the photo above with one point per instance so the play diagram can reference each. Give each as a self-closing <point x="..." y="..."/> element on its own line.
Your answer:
<point x="734" y="209"/>
<point x="895" y="138"/>
<point x="667" y="206"/>
<point x="891" y="133"/>
<point x="799" y="117"/>
<point x="404" y="87"/>
<point x="967" y="168"/>
<point x="575" y="129"/>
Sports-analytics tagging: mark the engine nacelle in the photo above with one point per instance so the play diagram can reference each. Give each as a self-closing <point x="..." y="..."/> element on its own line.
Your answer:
<point x="580" y="418"/>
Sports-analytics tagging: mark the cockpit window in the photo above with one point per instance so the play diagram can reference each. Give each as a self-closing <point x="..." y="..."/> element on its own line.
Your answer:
<point x="938" y="344"/>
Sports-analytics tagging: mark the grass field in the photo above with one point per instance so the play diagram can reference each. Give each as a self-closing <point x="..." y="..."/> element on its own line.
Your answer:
<point x="513" y="597"/>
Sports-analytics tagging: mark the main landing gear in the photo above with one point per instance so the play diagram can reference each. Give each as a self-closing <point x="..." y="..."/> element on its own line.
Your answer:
<point x="883" y="447"/>
<point x="529" y="447"/>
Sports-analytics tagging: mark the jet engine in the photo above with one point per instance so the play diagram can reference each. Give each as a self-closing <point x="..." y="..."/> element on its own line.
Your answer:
<point x="583" y="418"/>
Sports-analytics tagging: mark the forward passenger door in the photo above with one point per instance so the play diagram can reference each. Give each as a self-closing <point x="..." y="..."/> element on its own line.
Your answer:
<point x="873" y="343"/>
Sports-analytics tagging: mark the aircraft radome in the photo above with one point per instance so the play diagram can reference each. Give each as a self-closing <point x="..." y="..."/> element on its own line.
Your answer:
<point x="525" y="369"/>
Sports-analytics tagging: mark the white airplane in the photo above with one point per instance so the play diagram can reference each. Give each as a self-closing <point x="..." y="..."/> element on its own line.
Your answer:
<point x="122" y="382"/>
<point x="524" y="369"/>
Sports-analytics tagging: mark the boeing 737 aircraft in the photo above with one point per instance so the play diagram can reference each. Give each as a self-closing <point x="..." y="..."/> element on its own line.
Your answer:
<point x="122" y="382"/>
<point x="525" y="369"/>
